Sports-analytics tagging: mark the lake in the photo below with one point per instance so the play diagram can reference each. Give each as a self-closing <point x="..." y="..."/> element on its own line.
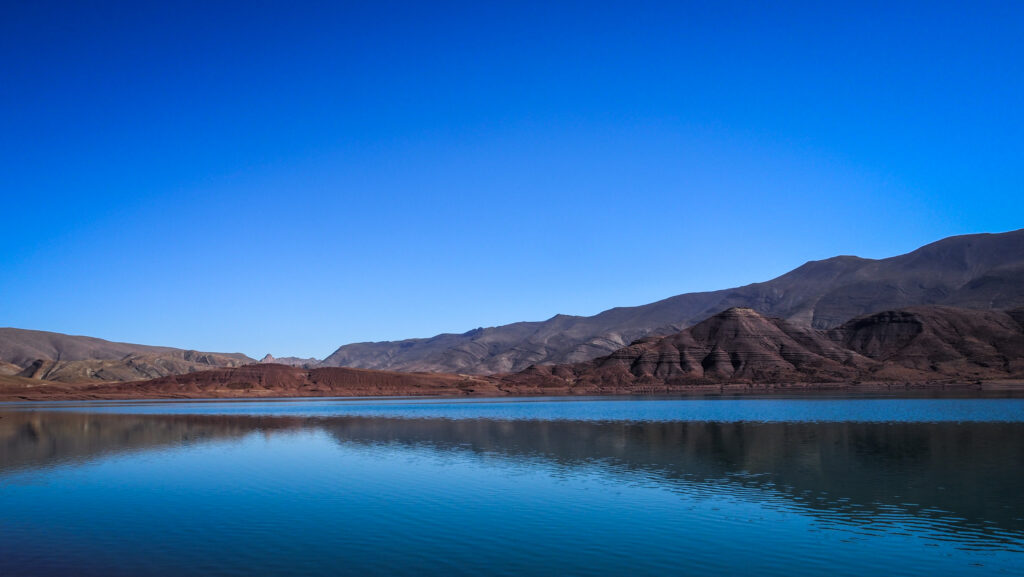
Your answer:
<point x="760" y="486"/>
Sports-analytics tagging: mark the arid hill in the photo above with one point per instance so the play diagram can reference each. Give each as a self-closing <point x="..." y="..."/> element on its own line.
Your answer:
<point x="736" y="350"/>
<point x="980" y="271"/>
<point x="273" y="380"/>
<point x="13" y="387"/>
<point x="741" y="346"/>
<point x="957" y="343"/>
<point x="73" y="359"/>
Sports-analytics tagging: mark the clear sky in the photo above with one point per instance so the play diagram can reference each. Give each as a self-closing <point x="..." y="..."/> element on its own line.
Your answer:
<point x="288" y="177"/>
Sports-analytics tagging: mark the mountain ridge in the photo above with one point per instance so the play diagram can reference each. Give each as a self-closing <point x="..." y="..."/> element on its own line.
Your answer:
<point x="59" y="357"/>
<point x="737" y="350"/>
<point x="740" y="346"/>
<point x="983" y="271"/>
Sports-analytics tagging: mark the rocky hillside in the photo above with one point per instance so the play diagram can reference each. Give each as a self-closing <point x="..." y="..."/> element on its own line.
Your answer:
<point x="981" y="271"/>
<point x="956" y="343"/>
<point x="68" y="358"/>
<point x="282" y="380"/>
<point x="739" y="349"/>
<point x="742" y="346"/>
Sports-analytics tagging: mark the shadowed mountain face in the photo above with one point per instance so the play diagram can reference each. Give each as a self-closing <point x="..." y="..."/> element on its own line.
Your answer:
<point x="983" y="271"/>
<point x="72" y="359"/>
<point x="959" y="343"/>
<point x="739" y="345"/>
<point x="846" y="472"/>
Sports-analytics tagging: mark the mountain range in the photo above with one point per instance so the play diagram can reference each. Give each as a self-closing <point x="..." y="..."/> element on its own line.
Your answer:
<point x="803" y="316"/>
<point x="980" y="271"/>
<point x="738" y="350"/>
<point x="58" y="357"/>
<point x="740" y="346"/>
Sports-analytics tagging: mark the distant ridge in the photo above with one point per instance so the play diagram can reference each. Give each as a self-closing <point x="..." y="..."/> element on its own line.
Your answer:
<point x="979" y="271"/>
<point x="290" y="361"/>
<point x="58" y="357"/>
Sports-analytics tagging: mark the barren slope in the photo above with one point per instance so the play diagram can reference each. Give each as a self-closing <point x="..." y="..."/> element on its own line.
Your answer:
<point x="983" y="271"/>
<point x="282" y="380"/>
<point x="741" y="346"/>
<point x="739" y="349"/>
<point x="69" y="358"/>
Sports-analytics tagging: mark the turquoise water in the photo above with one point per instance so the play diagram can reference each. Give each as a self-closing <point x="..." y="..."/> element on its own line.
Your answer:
<point x="549" y="487"/>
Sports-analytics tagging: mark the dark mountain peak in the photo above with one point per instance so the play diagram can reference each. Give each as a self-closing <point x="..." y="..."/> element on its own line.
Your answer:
<point x="826" y="269"/>
<point x="269" y="358"/>
<point x="969" y="251"/>
<point x="562" y="317"/>
<point x="966" y="240"/>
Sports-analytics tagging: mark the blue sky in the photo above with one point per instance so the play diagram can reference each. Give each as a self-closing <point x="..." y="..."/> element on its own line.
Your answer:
<point x="266" y="177"/>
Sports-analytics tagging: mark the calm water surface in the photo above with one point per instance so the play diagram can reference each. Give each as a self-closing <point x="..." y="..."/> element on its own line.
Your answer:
<point x="550" y="486"/>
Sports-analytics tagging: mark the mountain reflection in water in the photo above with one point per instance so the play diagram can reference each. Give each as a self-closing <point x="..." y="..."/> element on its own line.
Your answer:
<point x="962" y="479"/>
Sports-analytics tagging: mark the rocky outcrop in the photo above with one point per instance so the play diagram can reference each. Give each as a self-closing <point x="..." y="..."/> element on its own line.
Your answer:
<point x="290" y="361"/>
<point x="959" y="343"/>
<point x="742" y="346"/>
<point x="9" y="369"/>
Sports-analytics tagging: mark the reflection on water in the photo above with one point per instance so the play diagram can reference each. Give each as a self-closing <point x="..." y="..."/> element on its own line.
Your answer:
<point x="765" y="410"/>
<point x="904" y="496"/>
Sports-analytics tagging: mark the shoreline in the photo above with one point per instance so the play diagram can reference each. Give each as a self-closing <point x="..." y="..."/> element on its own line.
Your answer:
<point x="46" y="393"/>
